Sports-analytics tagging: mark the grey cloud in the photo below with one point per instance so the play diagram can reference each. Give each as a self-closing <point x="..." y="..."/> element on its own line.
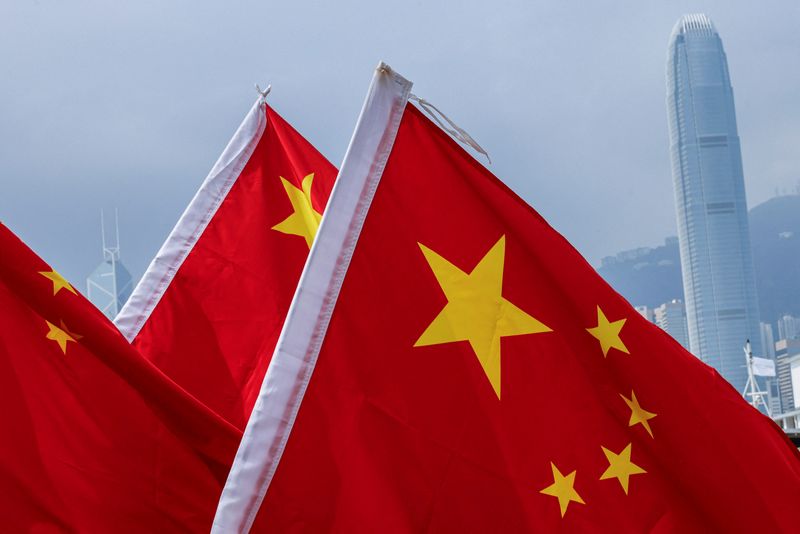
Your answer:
<point x="129" y="105"/>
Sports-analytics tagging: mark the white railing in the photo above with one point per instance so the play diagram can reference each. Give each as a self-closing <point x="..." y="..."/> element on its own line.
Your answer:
<point x="789" y="421"/>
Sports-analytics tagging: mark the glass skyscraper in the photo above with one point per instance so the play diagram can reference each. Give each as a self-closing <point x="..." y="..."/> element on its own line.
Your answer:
<point x="717" y="265"/>
<point x="110" y="285"/>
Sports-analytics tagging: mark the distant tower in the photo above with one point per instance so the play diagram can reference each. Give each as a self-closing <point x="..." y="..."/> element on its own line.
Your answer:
<point x="110" y="285"/>
<point x="718" y="280"/>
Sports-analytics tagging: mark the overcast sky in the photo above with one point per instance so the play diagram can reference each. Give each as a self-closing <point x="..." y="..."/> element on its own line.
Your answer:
<point x="128" y="105"/>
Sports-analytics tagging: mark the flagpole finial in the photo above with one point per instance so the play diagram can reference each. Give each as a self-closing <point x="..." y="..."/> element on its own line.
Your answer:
<point x="263" y="92"/>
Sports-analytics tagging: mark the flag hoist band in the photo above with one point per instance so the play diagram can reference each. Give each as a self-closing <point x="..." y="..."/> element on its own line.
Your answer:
<point x="306" y="323"/>
<point x="209" y="308"/>
<point x="190" y="226"/>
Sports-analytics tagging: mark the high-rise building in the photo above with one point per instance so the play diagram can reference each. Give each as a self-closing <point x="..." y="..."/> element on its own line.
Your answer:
<point x="646" y="312"/>
<point x="788" y="370"/>
<point x="767" y="341"/>
<point x="788" y="327"/>
<point x="671" y="318"/>
<point x="110" y="284"/>
<point x="718" y="280"/>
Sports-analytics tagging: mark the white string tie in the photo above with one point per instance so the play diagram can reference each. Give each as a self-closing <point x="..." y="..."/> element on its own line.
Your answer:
<point x="455" y="130"/>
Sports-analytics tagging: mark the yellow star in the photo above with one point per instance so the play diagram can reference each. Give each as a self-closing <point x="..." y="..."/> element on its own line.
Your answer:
<point x="61" y="335"/>
<point x="304" y="221"/>
<point x="621" y="467"/>
<point x="607" y="333"/>
<point x="563" y="489"/>
<point x="59" y="282"/>
<point x="475" y="310"/>
<point x="638" y="415"/>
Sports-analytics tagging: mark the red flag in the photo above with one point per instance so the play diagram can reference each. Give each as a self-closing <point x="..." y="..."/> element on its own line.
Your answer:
<point x="209" y="309"/>
<point x="451" y="364"/>
<point x="95" y="438"/>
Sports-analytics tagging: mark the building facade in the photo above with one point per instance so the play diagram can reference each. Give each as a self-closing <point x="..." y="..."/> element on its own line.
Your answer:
<point x="671" y="318"/>
<point x="767" y="341"/>
<point x="716" y="259"/>
<point x="646" y="312"/>
<point x="788" y="370"/>
<point x="788" y="327"/>
<point x="109" y="286"/>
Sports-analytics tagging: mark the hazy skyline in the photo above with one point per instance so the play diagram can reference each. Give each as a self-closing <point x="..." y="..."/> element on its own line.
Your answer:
<point x="129" y="106"/>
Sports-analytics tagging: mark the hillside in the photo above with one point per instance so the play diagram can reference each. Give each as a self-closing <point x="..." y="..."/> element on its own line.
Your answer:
<point x="652" y="276"/>
<point x="646" y="276"/>
<point x="775" y="238"/>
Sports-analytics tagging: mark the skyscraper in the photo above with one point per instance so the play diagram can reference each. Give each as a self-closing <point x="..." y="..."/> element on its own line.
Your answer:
<point x="671" y="318"/>
<point x="788" y="327"/>
<point x="767" y="340"/>
<point x="646" y="312"/>
<point x="718" y="280"/>
<point x="110" y="284"/>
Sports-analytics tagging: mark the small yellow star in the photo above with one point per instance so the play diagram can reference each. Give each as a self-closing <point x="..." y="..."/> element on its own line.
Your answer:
<point x="59" y="282"/>
<point x="476" y="310"/>
<point x="621" y="467"/>
<point x="563" y="489"/>
<point x="638" y="414"/>
<point x="304" y="221"/>
<point x="607" y="333"/>
<point x="61" y="335"/>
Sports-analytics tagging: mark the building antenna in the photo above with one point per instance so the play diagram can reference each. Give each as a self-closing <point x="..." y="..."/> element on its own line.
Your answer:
<point x="116" y="228"/>
<point x="110" y="251"/>
<point x="103" y="230"/>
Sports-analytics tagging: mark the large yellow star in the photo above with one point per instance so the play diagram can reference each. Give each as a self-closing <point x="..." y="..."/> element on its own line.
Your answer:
<point x="562" y="488"/>
<point x="607" y="333"/>
<point x="61" y="335"/>
<point x="304" y="221"/>
<point x="638" y="415"/>
<point x="621" y="467"/>
<point x="476" y="310"/>
<point x="59" y="282"/>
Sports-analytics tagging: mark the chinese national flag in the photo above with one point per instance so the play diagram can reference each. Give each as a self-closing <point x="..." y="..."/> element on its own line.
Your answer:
<point x="452" y="364"/>
<point x="94" y="437"/>
<point x="209" y="309"/>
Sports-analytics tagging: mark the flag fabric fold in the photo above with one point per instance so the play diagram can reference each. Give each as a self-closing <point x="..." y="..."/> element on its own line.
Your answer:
<point x="209" y="308"/>
<point x="451" y="363"/>
<point x="96" y="439"/>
